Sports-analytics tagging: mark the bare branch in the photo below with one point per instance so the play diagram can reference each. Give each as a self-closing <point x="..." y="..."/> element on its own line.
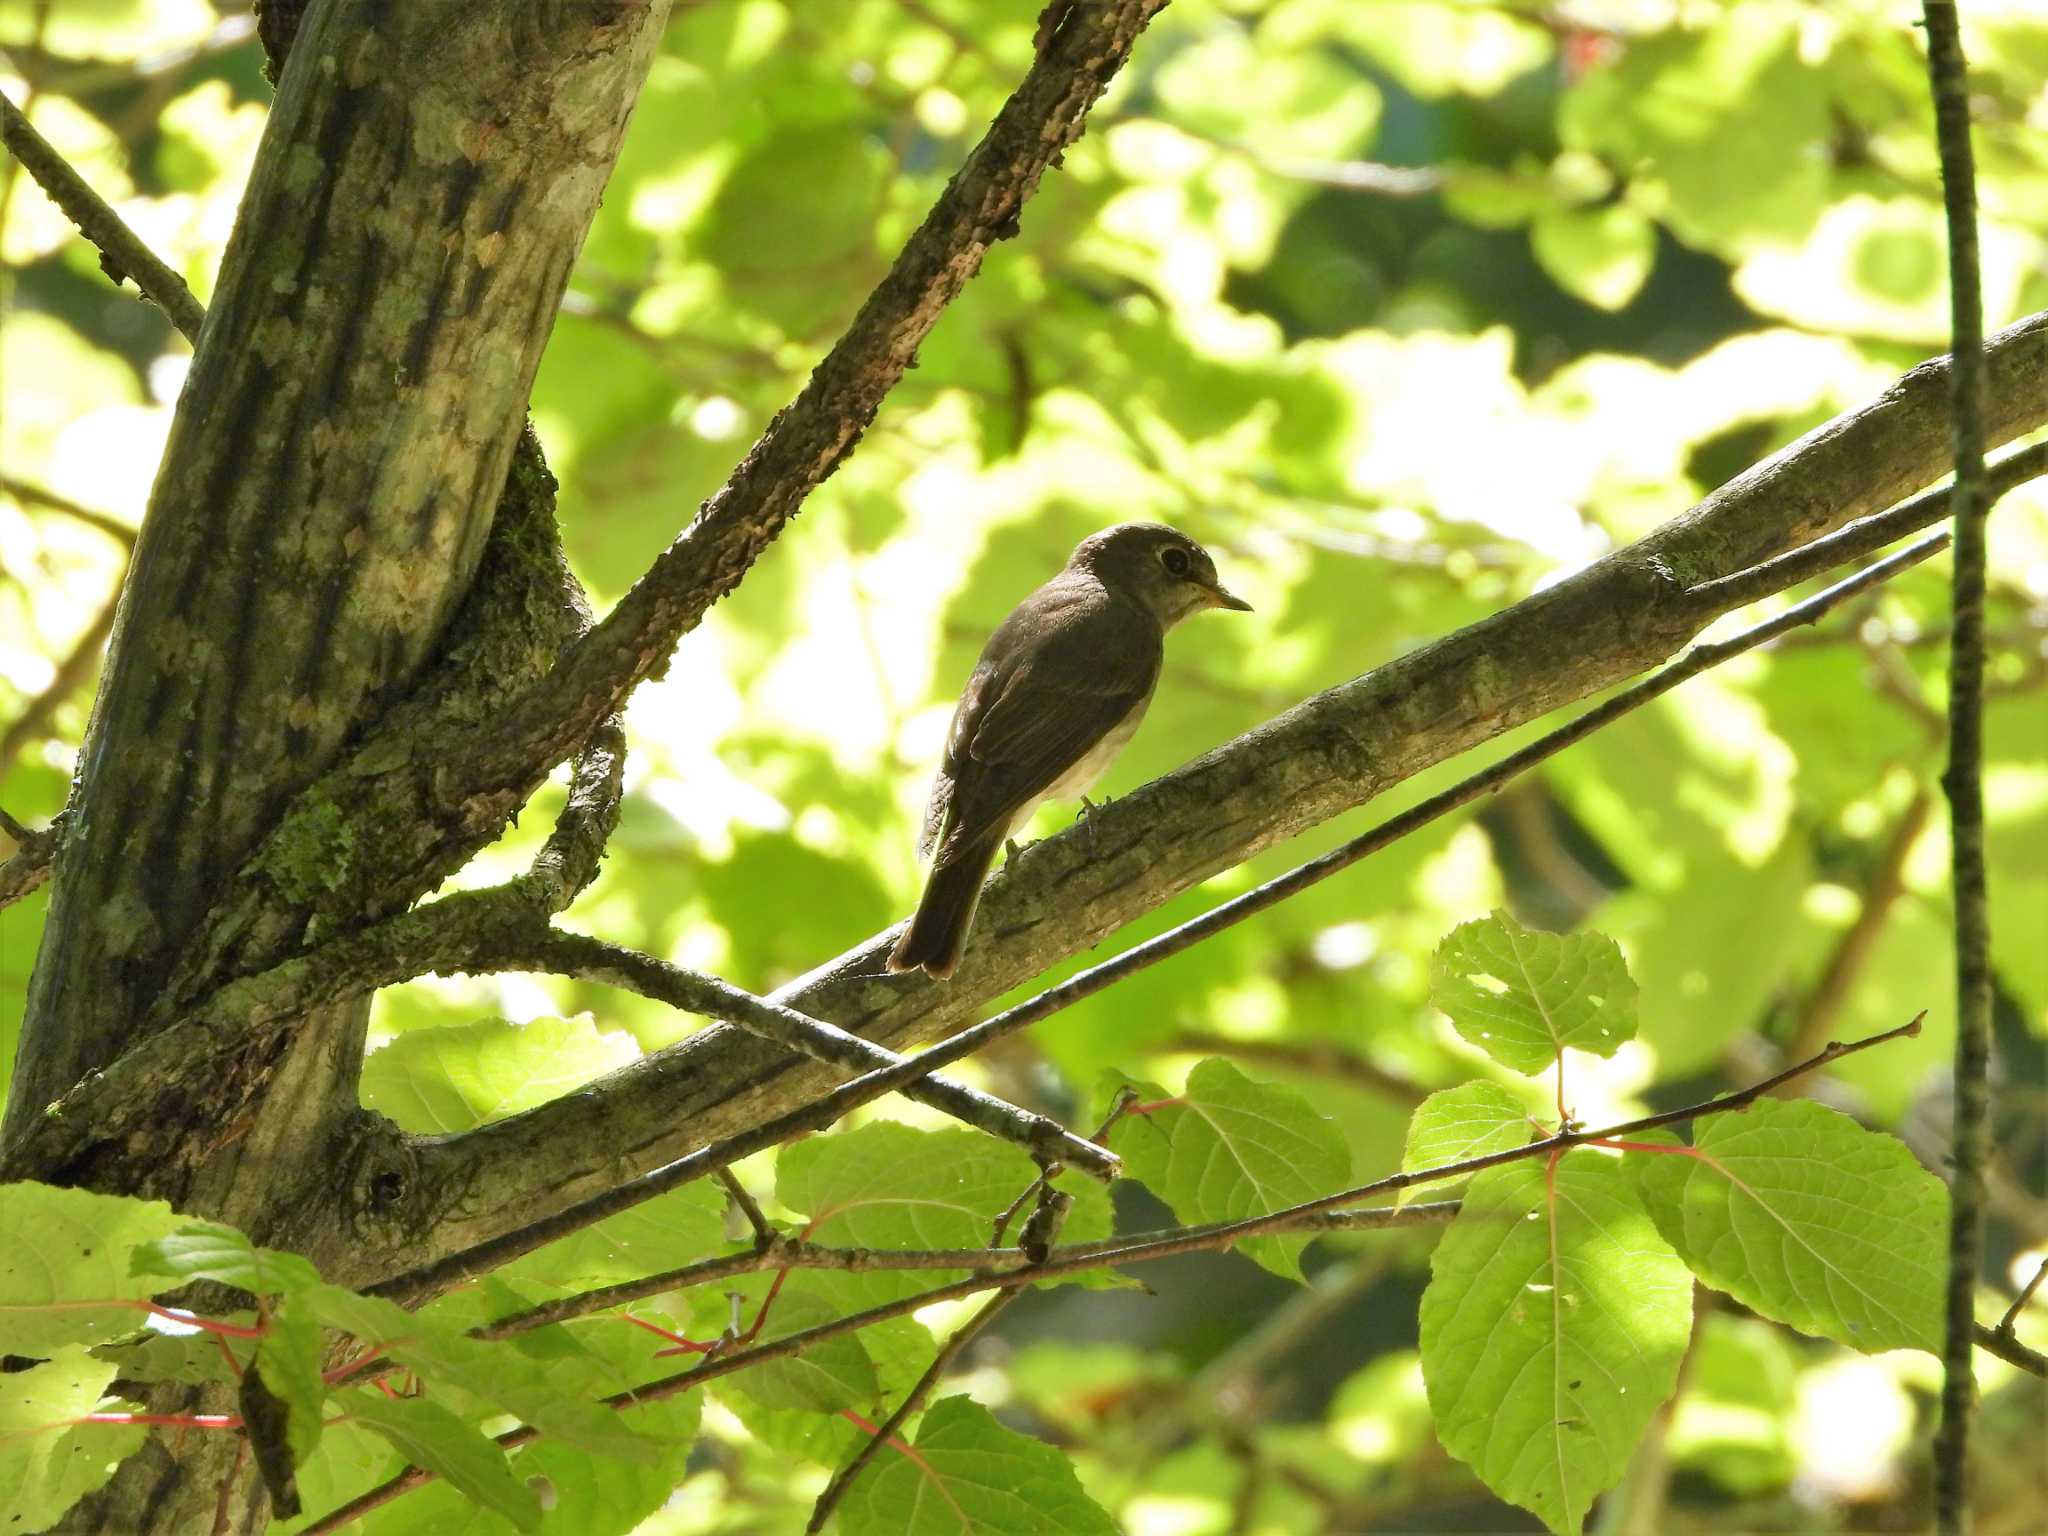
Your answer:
<point x="569" y="954"/>
<point x="1964" y="777"/>
<point x="2009" y="1349"/>
<point x="2019" y="1302"/>
<point x="122" y="253"/>
<point x="30" y="494"/>
<point x="28" y="867"/>
<point x="809" y="440"/>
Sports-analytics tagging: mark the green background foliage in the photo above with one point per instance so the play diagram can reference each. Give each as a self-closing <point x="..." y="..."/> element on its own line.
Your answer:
<point x="1406" y="309"/>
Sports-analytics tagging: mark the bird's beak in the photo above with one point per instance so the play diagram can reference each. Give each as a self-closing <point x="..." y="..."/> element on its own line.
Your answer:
<point x="1222" y="597"/>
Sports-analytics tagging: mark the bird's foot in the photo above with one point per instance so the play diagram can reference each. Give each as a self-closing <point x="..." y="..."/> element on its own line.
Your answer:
<point x="1087" y="819"/>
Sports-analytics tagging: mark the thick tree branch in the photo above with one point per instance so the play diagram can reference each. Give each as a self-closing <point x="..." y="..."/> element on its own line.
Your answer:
<point x="1334" y="751"/>
<point x="332" y="470"/>
<point x="1965" y="774"/>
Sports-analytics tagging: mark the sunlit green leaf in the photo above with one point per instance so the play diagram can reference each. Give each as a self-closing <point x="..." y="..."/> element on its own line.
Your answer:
<point x="1524" y="996"/>
<point x="970" y="1475"/>
<point x="1455" y="1124"/>
<point x="48" y="1460"/>
<point x="67" y="1249"/>
<point x="1804" y="1216"/>
<point x="1227" y="1148"/>
<point x="1551" y="1331"/>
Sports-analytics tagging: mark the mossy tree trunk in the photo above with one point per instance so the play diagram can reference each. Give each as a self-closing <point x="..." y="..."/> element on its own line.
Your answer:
<point x="426" y="179"/>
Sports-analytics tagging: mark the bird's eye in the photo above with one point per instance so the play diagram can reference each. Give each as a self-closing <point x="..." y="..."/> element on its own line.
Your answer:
<point x="1175" y="561"/>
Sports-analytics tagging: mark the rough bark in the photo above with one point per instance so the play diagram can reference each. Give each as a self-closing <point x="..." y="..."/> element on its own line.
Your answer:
<point x="315" y="551"/>
<point x="425" y="182"/>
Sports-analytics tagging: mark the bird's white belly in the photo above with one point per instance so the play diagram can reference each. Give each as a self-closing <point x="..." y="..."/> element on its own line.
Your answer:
<point x="1088" y="768"/>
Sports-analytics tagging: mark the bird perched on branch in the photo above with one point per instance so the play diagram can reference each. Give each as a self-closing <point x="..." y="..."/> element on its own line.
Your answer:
<point x="1060" y="687"/>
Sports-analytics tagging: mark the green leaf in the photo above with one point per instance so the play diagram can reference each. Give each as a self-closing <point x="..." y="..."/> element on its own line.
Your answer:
<point x="888" y="1185"/>
<point x="47" y="1469"/>
<point x="289" y="1355"/>
<point x="586" y="1495"/>
<point x="501" y="1374"/>
<point x="970" y="1477"/>
<point x="1523" y="996"/>
<point x="1229" y="1148"/>
<point x="1601" y="255"/>
<point x="429" y="1436"/>
<point x="1552" y="1328"/>
<point x="660" y="1234"/>
<point x="825" y="1378"/>
<point x="1454" y="1124"/>
<point x="66" y="1249"/>
<point x="459" y="1076"/>
<point x="1803" y="1216"/>
<point x="211" y="1250"/>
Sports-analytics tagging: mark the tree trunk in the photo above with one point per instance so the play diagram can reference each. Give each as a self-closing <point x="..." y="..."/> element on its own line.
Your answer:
<point x="426" y="179"/>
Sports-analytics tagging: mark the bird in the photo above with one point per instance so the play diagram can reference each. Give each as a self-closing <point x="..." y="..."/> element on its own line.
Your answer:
<point x="1058" y="691"/>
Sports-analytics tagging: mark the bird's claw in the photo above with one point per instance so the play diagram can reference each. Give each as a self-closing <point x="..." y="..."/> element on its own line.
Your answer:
<point x="1087" y="818"/>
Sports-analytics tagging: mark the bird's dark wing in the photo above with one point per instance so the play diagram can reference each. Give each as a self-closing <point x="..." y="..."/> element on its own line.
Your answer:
<point x="1060" y="673"/>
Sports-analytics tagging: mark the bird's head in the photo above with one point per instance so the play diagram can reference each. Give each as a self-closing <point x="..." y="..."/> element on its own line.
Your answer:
<point x="1158" y="566"/>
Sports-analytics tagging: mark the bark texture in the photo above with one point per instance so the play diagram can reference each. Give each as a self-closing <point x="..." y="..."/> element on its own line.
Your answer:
<point x="426" y="179"/>
<point x="319" y="555"/>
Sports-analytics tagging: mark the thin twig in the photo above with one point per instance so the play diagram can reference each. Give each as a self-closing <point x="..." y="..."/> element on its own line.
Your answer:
<point x="122" y="253"/>
<point x="1859" y="940"/>
<point x="30" y="494"/>
<point x="913" y="1400"/>
<point x="596" y="960"/>
<point x="71" y="673"/>
<point x="764" y="1234"/>
<point x="1963" y="779"/>
<point x="1322" y="1214"/>
<point x="828" y="1108"/>
<point x="29" y="866"/>
<point x="2008" y="1348"/>
<point x="2019" y="1302"/>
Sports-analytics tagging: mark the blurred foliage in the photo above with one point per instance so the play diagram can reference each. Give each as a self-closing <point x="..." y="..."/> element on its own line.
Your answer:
<point x="1407" y="309"/>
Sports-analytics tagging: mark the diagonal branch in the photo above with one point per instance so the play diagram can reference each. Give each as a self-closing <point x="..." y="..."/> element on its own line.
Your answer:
<point x="122" y="253"/>
<point x="810" y="439"/>
<point x="1328" y="754"/>
<point x="508" y="1244"/>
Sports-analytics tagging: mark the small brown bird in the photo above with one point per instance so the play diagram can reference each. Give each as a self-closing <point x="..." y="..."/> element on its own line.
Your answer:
<point x="1060" y="687"/>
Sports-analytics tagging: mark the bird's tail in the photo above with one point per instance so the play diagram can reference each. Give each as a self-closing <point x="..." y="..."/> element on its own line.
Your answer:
<point x="937" y="931"/>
